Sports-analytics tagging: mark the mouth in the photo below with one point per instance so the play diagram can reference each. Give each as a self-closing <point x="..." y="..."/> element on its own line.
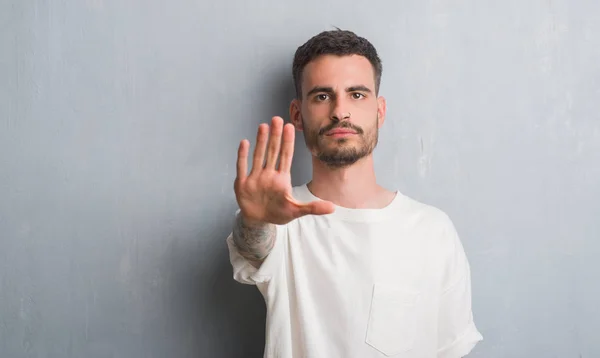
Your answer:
<point x="337" y="133"/>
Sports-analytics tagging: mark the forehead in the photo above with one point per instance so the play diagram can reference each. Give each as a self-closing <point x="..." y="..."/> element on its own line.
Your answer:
<point x="338" y="71"/>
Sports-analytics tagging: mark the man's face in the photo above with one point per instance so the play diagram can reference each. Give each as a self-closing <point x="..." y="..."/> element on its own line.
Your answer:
<point x="339" y="113"/>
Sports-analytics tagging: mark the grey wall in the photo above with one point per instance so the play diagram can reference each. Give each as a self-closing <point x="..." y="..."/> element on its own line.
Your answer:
<point x="119" y="127"/>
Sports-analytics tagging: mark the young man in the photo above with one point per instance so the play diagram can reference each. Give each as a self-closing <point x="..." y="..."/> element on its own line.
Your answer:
<point x="347" y="268"/>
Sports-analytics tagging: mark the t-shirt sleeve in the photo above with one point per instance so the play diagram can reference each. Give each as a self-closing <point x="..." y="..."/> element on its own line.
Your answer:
<point x="245" y="272"/>
<point x="457" y="333"/>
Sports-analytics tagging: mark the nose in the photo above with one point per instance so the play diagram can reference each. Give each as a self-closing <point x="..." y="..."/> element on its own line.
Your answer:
<point x="340" y="113"/>
<point x="341" y="117"/>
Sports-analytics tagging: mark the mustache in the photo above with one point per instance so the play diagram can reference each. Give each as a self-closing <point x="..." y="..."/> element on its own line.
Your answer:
<point x="345" y="125"/>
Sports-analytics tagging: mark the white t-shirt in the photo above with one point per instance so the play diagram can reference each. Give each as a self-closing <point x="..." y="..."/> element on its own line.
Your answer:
<point x="365" y="283"/>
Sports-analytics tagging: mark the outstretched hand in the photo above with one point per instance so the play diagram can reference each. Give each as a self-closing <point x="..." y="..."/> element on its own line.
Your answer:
<point x="265" y="195"/>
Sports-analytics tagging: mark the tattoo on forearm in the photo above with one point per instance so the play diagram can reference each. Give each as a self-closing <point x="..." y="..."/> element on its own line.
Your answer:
<point x="253" y="242"/>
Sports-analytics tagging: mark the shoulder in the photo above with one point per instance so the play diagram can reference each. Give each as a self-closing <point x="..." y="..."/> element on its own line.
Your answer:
<point x="432" y="224"/>
<point x="425" y="214"/>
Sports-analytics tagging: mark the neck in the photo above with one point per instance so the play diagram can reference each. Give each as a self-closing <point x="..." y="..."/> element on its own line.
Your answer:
<point x="352" y="187"/>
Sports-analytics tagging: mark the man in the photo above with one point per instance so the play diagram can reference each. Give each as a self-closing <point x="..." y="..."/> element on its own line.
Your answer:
<point x="347" y="268"/>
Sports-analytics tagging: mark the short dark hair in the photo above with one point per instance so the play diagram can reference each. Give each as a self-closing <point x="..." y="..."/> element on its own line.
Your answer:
<point x="335" y="42"/>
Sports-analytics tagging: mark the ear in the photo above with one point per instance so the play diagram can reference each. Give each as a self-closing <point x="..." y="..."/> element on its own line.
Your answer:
<point x="296" y="114"/>
<point x="381" y="110"/>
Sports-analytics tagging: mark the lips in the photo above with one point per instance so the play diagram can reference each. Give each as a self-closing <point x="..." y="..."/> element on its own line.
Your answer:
<point x="340" y="132"/>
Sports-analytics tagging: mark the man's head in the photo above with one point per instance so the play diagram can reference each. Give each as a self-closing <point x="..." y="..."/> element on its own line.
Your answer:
<point x="338" y="43"/>
<point x="337" y="76"/>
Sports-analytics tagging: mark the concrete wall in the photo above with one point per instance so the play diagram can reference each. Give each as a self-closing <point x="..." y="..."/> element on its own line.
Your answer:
<point x="120" y="120"/>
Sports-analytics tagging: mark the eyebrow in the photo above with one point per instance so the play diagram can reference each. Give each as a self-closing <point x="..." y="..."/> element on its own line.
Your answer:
<point x="361" y="88"/>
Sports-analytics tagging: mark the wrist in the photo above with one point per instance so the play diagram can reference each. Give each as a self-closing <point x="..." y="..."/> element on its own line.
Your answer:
<point x="249" y="222"/>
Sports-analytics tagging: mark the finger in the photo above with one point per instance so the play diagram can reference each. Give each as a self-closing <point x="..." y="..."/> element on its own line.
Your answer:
<point x="259" y="150"/>
<point x="242" y="160"/>
<point x="274" y="142"/>
<point x="319" y="207"/>
<point x="287" y="148"/>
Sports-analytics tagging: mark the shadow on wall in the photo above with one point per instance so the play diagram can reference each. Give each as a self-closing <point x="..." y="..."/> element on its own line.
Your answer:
<point x="210" y="307"/>
<point x="208" y="313"/>
<point x="284" y="93"/>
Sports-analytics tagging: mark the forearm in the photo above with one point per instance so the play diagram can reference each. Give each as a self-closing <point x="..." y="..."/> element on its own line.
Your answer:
<point x="254" y="241"/>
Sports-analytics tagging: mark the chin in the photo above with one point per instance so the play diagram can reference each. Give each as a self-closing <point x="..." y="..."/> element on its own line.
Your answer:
<point x="337" y="142"/>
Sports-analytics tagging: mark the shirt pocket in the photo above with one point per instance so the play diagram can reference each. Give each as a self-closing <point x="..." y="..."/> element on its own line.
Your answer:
<point x="392" y="322"/>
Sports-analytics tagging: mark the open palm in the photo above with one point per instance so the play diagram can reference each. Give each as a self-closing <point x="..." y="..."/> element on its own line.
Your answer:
<point x="265" y="195"/>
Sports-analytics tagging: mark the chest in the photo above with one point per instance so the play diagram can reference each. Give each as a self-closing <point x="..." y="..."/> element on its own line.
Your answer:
<point x="365" y="253"/>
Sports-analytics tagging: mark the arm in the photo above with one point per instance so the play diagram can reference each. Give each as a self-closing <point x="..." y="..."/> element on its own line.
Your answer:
<point x="457" y="333"/>
<point x="254" y="240"/>
<point x="265" y="195"/>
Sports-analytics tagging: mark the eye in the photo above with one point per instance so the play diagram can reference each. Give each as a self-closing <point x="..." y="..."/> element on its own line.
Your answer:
<point x="357" y="95"/>
<point x="322" y="97"/>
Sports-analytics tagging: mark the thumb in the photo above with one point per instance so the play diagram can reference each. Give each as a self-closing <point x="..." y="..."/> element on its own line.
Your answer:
<point x="319" y="207"/>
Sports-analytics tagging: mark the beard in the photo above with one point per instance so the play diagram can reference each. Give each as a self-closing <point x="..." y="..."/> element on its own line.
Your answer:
<point x="339" y="153"/>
